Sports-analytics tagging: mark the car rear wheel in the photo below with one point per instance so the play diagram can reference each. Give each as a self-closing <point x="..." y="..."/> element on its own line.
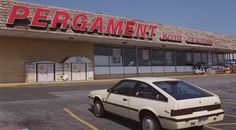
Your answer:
<point x="199" y="128"/>
<point x="98" y="109"/>
<point x="150" y="122"/>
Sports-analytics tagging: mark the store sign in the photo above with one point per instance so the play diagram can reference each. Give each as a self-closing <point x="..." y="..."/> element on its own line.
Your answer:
<point x="171" y="38"/>
<point x="188" y="40"/>
<point x="80" y="22"/>
<point x="200" y="41"/>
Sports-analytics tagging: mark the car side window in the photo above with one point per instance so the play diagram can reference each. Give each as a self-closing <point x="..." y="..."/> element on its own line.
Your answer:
<point x="144" y="90"/>
<point x="124" y="88"/>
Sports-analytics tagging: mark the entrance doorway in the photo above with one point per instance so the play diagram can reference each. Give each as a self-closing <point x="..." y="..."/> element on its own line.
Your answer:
<point x="46" y="72"/>
<point x="78" y="71"/>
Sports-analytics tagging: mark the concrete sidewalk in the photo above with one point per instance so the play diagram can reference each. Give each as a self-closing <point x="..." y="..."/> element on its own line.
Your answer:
<point x="90" y="82"/>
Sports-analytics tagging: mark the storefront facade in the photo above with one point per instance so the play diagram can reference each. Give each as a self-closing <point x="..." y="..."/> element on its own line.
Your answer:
<point x="42" y="43"/>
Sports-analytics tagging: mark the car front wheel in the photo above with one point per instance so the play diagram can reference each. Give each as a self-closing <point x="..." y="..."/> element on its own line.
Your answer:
<point x="98" y="109"/>
<point x="149" y="122"/>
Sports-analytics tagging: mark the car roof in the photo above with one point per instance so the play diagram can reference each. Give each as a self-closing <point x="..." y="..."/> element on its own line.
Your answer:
<point x="152" y="79"/>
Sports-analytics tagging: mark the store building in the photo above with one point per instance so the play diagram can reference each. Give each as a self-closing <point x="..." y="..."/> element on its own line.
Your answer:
<point x="43" y="43"/>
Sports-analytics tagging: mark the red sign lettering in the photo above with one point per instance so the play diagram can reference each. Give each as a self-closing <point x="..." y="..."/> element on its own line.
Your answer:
<point x="152" y="31"/>
<point x="200" y="41"/>
<point x="18" y="12"/>
<point x="97" y="25"/>
<point x="141" y="30"/>
<point x="81" y="22"/>
<point x="80" y="25"/>
<point x="112" y="29"/>
<point x="171" y="38"/>
<point x="60" y="17"/>
<point x="129" y="29"/>
<point x="39" y="16"/>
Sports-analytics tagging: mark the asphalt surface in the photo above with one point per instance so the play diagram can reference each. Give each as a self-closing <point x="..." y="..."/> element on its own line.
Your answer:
<point x="43" y="108"/>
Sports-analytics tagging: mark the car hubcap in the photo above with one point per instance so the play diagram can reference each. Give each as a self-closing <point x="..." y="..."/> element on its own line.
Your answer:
<point x="148" y="124"/>
<point x="97" y="109"/>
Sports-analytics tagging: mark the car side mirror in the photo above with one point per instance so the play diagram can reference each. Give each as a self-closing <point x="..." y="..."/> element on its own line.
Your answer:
<point x="109" y="90"/>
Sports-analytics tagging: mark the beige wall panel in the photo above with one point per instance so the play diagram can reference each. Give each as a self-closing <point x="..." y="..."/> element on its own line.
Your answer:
<point x="131" y="75"/>
<point x="145" y="74"/>
<point x="15" y="52"/>
<point x="158" y="74"/>
<point x="116" y="76"/>
<point x="102" y="76"/>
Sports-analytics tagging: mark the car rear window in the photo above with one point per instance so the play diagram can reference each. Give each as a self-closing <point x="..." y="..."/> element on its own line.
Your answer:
<point x="181" y="90"/>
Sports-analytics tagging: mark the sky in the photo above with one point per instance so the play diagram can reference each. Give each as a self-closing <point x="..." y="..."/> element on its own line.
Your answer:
<point x="217" y="16"/>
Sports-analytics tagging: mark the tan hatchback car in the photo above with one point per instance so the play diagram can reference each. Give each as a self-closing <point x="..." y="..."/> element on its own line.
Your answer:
<point x="159" y="103"/>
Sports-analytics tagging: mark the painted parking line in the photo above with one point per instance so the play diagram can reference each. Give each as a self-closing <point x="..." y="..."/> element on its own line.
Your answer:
<point x="80" y="120"/>
<point x="211" y="127"/>
<point x="233" y="116"/>
<point x="223" y="124"/>
<point x="232" y="103"/>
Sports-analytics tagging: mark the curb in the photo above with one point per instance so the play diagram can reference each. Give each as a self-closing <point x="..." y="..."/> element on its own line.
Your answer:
<point x="93" y="82"/>
<point x="199" y="76"/>
<point x="57" y="84"/>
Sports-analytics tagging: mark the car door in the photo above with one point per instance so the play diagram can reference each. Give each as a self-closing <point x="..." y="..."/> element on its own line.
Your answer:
<point x="118" y="99"/>
<point x="145" y="96"/>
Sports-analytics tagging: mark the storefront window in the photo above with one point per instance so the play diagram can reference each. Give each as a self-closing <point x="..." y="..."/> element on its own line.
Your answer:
<point x="189" y="59"/>
<point x="215" y="62"/>
<point x="196" y="58"/>
<point x="116" y="57"/>
<point x="204" y="58"/>
<point x="144" y="57"/>
<point x="170" y="58"/>
<point x="209" y="59"/>
<point x="157" y="57"/>
<point x="229" y="58"/>
<point x="221" y="59"/>
<point x="130" y="56"/>
<point x="181" y="58"/>
<point x="101" y="56"/>
<point x="234" y="57"/>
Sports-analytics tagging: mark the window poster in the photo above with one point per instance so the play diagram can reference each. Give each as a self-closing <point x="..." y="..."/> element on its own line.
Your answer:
<point x="168" y="58"/>
<point x="78" y="71"/>
<point x="31" y="72"/>
<point x="59" y="72"/>
<point x="90" y="71"/>
<point x="210" y="62"/>
<point x="116" y="56"/>
<point x="145" y="54"/>
<point x="189" y="57"/>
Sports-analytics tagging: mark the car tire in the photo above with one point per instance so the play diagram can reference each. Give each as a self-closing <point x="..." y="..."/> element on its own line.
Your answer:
<point x="199" y="127"/>
<point x="150" y="122"/>
<point x="98" y="109"/>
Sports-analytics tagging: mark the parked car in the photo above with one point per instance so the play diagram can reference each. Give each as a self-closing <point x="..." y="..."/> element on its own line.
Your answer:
<point x="159" y="103"/>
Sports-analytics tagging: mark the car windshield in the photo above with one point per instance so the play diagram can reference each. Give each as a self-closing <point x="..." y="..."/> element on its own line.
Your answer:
<point x="181" y="90"/>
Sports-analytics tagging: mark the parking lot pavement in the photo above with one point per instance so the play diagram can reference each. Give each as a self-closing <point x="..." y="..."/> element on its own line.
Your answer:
<point x="67" y="108"/>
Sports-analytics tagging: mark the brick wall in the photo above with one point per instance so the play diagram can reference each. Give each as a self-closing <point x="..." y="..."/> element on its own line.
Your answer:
<point x="220" y="41"/>
<point x="15" y="52"/>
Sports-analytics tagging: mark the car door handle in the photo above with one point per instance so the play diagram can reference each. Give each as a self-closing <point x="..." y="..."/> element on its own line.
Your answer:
<point x="124" y="99"/>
